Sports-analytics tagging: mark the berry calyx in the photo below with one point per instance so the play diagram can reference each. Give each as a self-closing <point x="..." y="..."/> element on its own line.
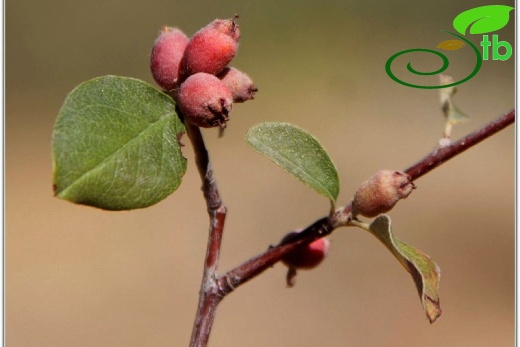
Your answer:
<point x="381" y="192"/>
<point x="211" y="48"/>
<point x="239" y="84"/>
<point x="166" y="57"/>
<point x="205" y="101"/>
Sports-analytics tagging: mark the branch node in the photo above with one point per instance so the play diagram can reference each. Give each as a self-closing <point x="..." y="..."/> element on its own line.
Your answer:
<point x="225" y="288"/>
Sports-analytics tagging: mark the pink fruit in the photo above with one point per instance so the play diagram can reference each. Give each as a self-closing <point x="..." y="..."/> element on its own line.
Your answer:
<point x="308" y="256"/>
<point x="239" y="83"/>
<point x="381" y="192"/>
<point x="166" y="57"/>
<point x="204" y="101"/>
<point x="212" y="48"/>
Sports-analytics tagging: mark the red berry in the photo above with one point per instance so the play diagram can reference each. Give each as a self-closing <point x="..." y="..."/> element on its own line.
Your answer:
<point x="166" y="57"/>
<point x="308" y="256"/>
<point x="205" y="101"/>
<point x="381" y="192"/>
<point x="239" y="83"/>
<point x="212" y="48"/>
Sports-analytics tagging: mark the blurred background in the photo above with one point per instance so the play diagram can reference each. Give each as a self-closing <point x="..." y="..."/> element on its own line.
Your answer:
<point x="79" y="276"/>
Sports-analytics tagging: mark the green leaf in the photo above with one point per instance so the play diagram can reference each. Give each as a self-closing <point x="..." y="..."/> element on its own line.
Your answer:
<point x="116" y="145"/>
<point x="484" y="19"/>
<point x="454" y="114"/>
<point x="425" y="273"/>
<point x="298" y="153"/>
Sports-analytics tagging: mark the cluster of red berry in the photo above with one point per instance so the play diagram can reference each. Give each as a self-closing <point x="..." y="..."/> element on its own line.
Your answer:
<point x="195" y="71"/>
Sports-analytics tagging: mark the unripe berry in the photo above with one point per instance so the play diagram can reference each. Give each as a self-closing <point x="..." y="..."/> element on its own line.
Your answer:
<point x="167" y="53"/>
<point x="212" y="48"/>
<point x="381" y="192"/>
<point x="238" y="83"/>
<point x="308" y="256"/>
<point x="205" y="101"/>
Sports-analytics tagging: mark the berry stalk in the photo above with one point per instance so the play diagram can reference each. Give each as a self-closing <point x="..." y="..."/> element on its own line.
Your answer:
<point x="210" y="293"/>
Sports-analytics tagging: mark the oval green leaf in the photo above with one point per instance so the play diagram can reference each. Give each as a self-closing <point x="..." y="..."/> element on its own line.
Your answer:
<point x="425" y="273"/>
<point x="116" y="145"/>
<point x="298" y="153"/>
<point x="484" y="19"/>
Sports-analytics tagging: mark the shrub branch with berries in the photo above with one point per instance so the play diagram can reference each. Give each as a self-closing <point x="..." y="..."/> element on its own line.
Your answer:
<point x="116" y="146"/>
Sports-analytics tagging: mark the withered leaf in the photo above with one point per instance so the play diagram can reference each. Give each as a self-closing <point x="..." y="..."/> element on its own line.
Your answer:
<point x="425" y="273"/>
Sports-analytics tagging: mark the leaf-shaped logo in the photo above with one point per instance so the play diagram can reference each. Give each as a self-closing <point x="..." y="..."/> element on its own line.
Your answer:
<point x="451" y="45"/>
<point x="482" y="20"/>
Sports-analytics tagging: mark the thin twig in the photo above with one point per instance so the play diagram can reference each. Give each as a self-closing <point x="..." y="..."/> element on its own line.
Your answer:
<point x="441" y="155"/>
<point x="214" y="289"/>
<point x="253" y="267"/>
<point x="209" y="296"/>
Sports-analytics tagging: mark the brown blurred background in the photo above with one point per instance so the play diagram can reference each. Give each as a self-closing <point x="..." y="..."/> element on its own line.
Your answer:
<point x="78" y="276"/>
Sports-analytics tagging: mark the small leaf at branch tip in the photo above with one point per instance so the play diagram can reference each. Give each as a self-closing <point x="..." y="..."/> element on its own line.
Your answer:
<point x="425" y="273"/>
<point x="455" y="115"/>
<point x="446" y="93"/>
<point x="449" y="109"/>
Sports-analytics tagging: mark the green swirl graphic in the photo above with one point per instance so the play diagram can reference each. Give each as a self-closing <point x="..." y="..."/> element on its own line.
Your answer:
<point x="445" y="64"/>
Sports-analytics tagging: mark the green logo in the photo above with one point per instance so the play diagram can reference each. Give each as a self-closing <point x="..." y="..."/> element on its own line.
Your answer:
<point x="479" y="20"/>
